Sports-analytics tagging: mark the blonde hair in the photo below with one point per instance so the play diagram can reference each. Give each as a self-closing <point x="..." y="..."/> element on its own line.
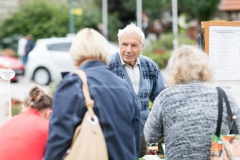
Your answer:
<point x="131" y="28"/>
<point x="89" y="44"/>
<point x="38" y="99"/>
<point x="189" y="63"/>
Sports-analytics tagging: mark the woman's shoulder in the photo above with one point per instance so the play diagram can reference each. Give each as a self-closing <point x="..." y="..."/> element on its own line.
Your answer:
<point x="70" y="79"/>
<point x="188" y="88"/>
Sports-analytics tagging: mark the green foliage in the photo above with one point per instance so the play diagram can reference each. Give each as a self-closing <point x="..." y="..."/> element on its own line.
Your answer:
<point x="44" y="19"/>
<point x="39" y="18"/>
<point x="113" y="26"/>
<point x="161" y="50"/>
<point x="200" y="9"/>
<point x="160" y="59"/>
<point x="153" y="8"/>
<point x="10" y="42"/>
<point x="16" y="108"/>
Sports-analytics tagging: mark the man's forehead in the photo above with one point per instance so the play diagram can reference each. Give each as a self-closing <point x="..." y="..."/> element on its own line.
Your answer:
<point x="128" y="36"/>
<point x="131" y="33"/>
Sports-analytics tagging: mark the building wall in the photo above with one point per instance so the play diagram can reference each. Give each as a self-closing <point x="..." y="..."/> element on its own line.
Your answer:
<point x="7" y="7"/>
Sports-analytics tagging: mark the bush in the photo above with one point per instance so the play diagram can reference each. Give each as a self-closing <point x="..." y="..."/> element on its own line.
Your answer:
<point x="161" y="50"/>
<point x="16" y="106"/>
<point x="44" y="19"/>
<point x="160" y="57"/>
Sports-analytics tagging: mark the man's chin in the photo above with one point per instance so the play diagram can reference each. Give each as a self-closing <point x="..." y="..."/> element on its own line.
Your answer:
<point x="129" y="62"/>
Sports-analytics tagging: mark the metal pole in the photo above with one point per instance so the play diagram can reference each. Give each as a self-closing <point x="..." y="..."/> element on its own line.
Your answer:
<point x="71" y="20"/>
<point x="139" y="13"/>
<point x="105" y="17"/>
<point x="175" y="23"/>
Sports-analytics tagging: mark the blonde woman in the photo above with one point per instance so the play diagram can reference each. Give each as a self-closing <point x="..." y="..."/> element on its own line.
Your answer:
<point x="114" y="103"/>
<point x="24" y="136"/>
<point x="185" y="114"/>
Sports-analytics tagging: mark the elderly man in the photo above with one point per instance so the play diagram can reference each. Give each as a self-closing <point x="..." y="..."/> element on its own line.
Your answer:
<point x="142" y="75"/>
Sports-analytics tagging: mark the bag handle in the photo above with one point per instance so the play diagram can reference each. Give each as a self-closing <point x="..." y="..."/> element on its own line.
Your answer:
<point x="221" y="95"/>
<point x="89" y="103"/>
<point x="233" y="127"/>
<point x="220" y="111"/>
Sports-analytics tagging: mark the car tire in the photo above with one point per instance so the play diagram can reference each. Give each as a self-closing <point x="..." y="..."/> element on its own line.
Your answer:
<point x="41" y="76"/>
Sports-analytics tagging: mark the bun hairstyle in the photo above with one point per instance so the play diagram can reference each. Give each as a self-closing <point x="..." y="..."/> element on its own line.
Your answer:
<point x="39" y="99"/>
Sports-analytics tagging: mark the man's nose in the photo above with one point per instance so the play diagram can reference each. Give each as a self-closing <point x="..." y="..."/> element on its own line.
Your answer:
<point x="128" y="48"/>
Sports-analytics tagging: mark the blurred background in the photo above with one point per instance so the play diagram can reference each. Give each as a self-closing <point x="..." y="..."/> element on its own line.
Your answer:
<point x="166" y="24"/>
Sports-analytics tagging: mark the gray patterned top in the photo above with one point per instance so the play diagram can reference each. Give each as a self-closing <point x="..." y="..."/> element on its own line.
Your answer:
<point x="185" y="115"/>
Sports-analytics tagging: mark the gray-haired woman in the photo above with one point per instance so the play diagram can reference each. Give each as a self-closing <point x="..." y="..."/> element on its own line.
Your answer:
<point x="185" y="114"/>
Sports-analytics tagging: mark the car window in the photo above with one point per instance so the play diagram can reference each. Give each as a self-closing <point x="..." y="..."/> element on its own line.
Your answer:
<point x="63" y="47"/>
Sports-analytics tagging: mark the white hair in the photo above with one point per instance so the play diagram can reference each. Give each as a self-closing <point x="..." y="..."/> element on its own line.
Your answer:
<point x="131" y="28"/>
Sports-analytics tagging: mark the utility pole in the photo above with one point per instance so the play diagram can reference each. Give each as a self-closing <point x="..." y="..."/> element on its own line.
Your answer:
<point x="139" y="13"/>
<point x="71" y="20"/>
<point x="105" y="17"/>
<point x="175" y="23"/>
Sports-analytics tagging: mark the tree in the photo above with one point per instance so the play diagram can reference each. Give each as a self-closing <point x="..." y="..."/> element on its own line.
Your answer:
<point x="40" y="18"/>
<point x="153" y="8"/>
<point x="200" y="9"/>
<point x="44" y="19"/>
<point x="126" y="9"/>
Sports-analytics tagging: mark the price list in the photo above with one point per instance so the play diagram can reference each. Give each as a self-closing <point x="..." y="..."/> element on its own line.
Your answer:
<point x="224" y="51"/>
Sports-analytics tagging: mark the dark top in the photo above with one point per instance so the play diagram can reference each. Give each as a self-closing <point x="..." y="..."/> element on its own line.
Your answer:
<point x="115" y="108"/>
<point x="29" y="46"/>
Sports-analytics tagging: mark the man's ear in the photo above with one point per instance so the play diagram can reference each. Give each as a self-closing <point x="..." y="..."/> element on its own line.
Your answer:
<point x="142" y="47"/>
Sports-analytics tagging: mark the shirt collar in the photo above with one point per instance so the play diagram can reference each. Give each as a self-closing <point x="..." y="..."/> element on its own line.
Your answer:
<point x="123" y="63"/>
<point x="93" y="64"/>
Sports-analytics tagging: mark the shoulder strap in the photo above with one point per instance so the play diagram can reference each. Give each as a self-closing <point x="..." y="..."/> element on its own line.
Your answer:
<point x="89" y="103"/>
<point x="233" y="129"/>
<point x="220" y="111"/>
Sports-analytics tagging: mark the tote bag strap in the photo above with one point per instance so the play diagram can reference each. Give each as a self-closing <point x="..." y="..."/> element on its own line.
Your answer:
<point x="89" y="103"/>
<point x="220" y="111"/>
<point x="233" y="129"/>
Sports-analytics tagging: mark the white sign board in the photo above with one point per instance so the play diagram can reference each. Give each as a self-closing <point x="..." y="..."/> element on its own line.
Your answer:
<point x="5" y="98"/>
<point x="224" y="54"/>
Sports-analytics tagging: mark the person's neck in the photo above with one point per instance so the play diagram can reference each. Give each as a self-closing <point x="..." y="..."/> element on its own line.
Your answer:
<point x="45" y="113"/>
<point x="131" y="64"/>
<point x="87" y="60"/>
